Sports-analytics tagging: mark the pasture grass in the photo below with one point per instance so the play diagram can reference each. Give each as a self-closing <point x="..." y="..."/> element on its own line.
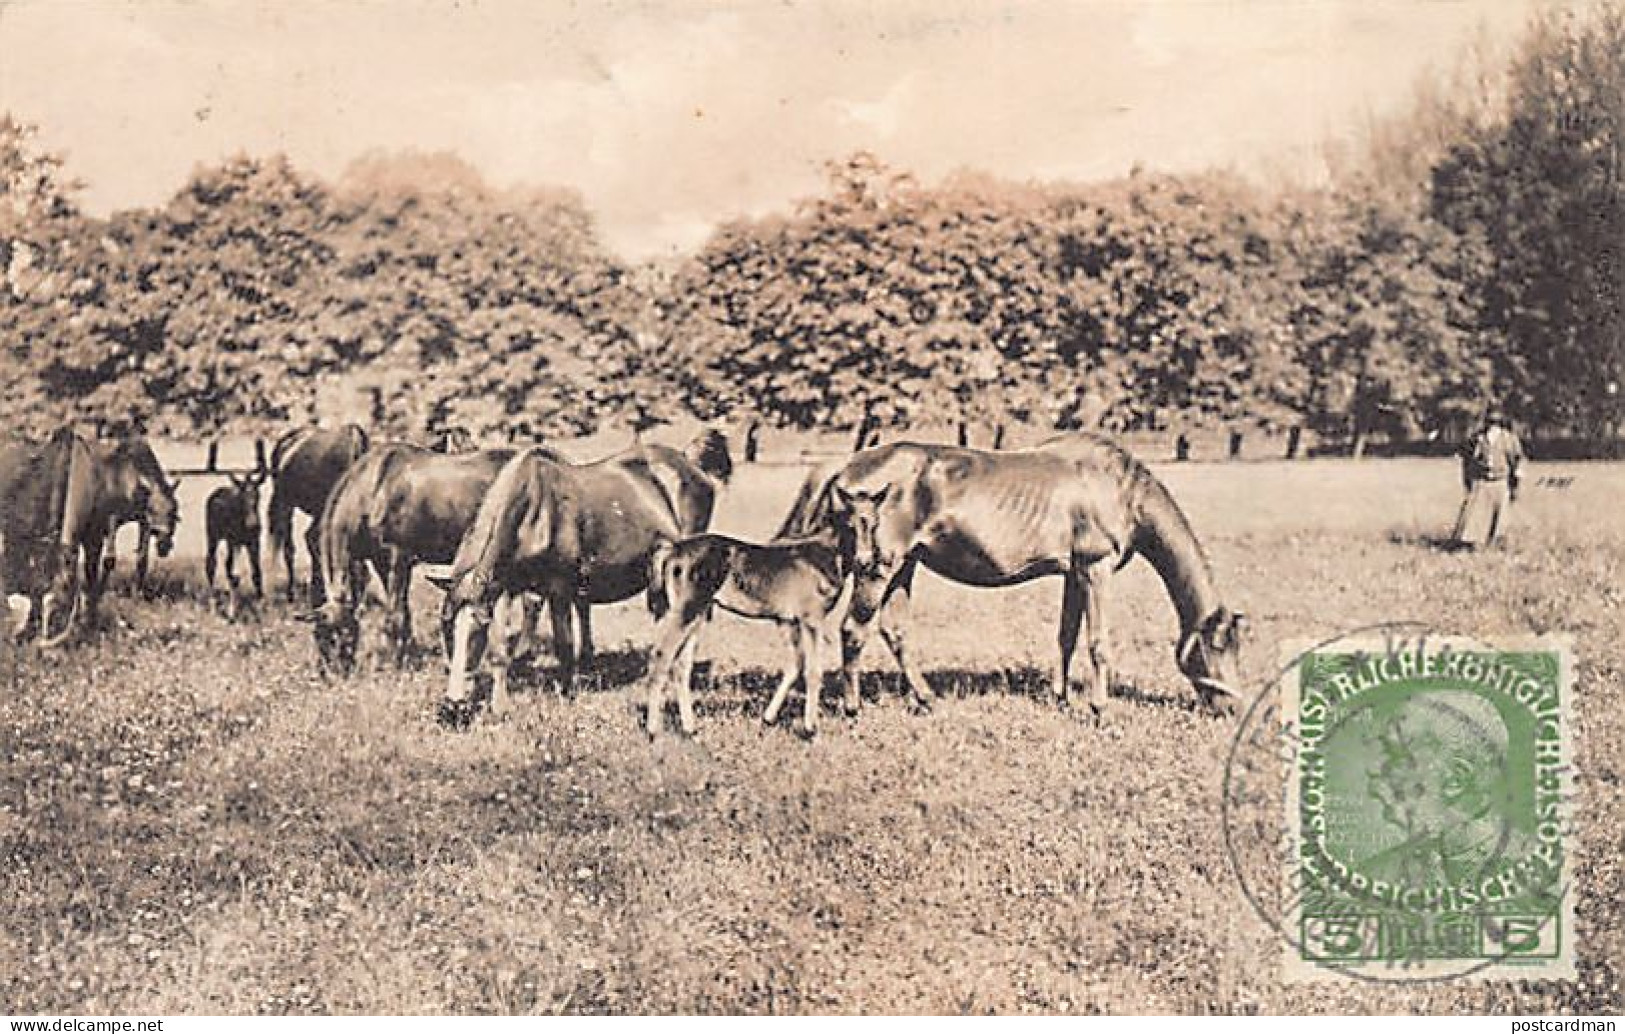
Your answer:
<point x="193" y="821"/>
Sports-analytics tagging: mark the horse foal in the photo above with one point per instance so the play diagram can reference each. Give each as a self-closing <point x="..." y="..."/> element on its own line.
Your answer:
<point x="231" y="515"/>
<point x="802" y="583"/>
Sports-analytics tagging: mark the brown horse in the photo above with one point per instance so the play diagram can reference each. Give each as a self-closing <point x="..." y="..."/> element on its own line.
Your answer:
<point x="129" y="486"/>
<point x="400" y="505"/>
<point x="1078" y="506"/>
<point x="305" y="466"/>
<point x="112" y="484"/>
<point x="576" y="535"/>
<point x="133" y="458"/>
<point x="803" y="583"/>
<point x="39" y="488"/>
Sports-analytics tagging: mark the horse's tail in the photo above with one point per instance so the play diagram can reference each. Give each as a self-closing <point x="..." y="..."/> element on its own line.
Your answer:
<point x="280" y="518"/>
<point x="709" y="452"/>
<point x="495" y="531"/>
<point x="657" y="596"/>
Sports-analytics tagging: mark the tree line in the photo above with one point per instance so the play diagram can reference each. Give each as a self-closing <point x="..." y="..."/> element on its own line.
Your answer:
<point x="1471" y="253"/>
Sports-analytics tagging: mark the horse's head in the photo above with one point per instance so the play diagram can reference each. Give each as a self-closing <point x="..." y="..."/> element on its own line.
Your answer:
<point x="465" y="625"/>
<point x="1210" y="656"/>
<point x="247" y="487"/>
<point x="152" y="495"/>
<point x="857" y="514"/>
<point x="454" y="441"/>
<point x="337" y="632"/>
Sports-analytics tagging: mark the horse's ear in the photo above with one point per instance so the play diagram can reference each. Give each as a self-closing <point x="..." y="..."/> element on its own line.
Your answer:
<point x="174" y="486"/>
<point x="842" y="496"/>
<point x="880" y="496"/>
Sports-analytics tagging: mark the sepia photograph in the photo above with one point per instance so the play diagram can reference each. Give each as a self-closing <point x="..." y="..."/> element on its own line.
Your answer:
<point x="812" y="507"/>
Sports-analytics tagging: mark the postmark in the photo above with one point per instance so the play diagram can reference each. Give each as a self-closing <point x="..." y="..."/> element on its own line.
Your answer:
<point x="1425" y="824"/>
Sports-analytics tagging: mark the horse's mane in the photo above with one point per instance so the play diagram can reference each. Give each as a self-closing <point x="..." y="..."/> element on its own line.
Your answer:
<point x="709" y="452"/>
<point x="138" y="451"/>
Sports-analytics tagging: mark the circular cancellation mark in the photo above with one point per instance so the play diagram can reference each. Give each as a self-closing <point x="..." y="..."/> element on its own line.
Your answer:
<point x="1426" y="778"/>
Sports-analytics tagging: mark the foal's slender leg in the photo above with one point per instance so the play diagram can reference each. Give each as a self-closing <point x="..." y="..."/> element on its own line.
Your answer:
<point x="791" y="672"/>
<point x="685" y="683"/>
<point x="672" y="634"/>
<point x="893" y="611"/>
<point x="812" y="669"/>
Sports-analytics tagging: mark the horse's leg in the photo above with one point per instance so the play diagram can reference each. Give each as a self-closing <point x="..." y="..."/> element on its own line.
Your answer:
<point x="313" y="546"/>
<point x="791" y="673"/>
<point x="855" y="629"/>
<point x="584" y="618"/>
<point x="685" y="683"/>
<point x="893" y="611"/>
<point x="1094" y="620"/>
<point x="209" y="562"/>
<point x="662" y="668"/>
<point x="1074" y="596"/>
<point x="399" y="585"/>
<point x="254" y="567"/>
<point x="95" y="577"/>
<point x="560" y="606"/>
<point x="507" y="627"/>
<point x="143" y="557"/>
<point x="812" y="669"/>
<point x="280" y="521"/>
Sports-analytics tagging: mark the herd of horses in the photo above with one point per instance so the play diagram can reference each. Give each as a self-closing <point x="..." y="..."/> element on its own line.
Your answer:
<point x="508" y="534"/>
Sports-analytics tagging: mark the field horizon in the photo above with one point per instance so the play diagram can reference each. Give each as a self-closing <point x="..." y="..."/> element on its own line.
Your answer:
<point x="195" y="821"/>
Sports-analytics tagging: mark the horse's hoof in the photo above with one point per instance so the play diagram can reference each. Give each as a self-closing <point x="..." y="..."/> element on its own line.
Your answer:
<point x="920" y="705"/>
<point x="456" y="714"/>
<point x="851" y="709"/>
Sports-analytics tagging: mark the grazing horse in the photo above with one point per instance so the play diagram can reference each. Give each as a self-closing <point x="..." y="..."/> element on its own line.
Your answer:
<point x="577" y="536"/>
<point x="112" y="484"/>
<point x="232" y="516"/>
<point x="40" y="489"/>
<point x="1077" y="506"/>
<point x="139" y="453"/>
<point x="802" y="583"/>
<point x="399" y="506"/>
<point x="305" y="465"/>
<point x="129" y="486"/>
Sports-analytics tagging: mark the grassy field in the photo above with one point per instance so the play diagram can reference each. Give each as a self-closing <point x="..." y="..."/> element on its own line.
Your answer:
<point x="192" y="820"/>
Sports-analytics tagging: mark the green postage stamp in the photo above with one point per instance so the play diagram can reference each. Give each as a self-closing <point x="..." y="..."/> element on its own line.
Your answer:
<point x="1428" y="810"/>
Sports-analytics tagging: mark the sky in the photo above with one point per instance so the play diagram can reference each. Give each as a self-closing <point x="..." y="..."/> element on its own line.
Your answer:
<point x="669" y="116"/>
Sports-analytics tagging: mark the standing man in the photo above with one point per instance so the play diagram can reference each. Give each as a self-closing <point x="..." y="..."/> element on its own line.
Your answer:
<point x="1490" y="461"/>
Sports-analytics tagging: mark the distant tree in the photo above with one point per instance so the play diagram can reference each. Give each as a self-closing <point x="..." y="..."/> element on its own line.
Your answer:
<point x="1541" y="190"/>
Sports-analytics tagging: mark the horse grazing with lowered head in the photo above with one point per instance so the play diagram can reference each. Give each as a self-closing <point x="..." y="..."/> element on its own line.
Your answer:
<point x="399" y="506"/>
<point x="306" y="464"/>
<point x="803" y="583"/>
<point x="131" y="488"/>
<point x="112" y="484"/>
<point x="1078" y="507"/>
<point x="577" y="535"/>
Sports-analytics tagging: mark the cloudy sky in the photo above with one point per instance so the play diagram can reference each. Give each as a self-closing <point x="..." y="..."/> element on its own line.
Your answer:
<point x="670" y="115"/>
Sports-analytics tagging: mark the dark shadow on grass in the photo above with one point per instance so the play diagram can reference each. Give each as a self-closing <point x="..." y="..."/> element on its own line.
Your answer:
<point x="1429" y="540"/>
